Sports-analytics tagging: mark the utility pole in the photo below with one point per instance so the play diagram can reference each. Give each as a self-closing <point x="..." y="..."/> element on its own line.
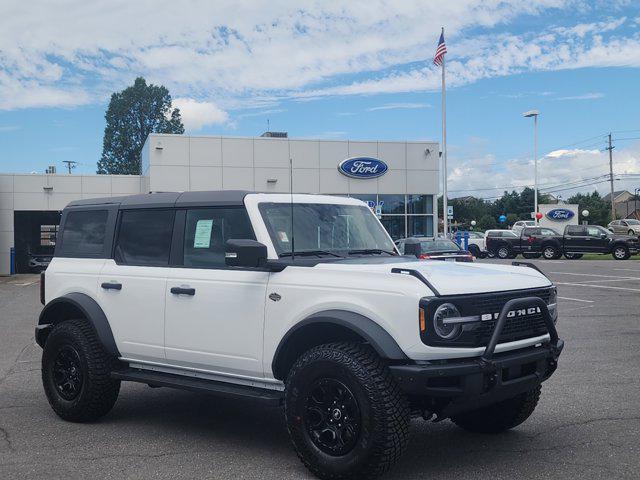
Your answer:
<point x="613" y="205"/>
<point x="70" y="165"/>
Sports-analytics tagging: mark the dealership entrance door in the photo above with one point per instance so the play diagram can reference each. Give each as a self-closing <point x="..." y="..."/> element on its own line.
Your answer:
<point x="35" y="234"/>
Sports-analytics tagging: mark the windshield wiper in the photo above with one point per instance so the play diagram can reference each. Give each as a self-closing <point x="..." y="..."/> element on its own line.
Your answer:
<point x="306" y="253"/>
<point x="366" y="251"/>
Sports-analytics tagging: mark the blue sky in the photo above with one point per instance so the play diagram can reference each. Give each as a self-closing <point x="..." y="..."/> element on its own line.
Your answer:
<point x="356" y="70"/>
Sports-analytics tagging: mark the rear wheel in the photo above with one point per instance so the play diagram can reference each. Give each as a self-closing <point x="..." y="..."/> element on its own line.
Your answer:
<point x="550" y="252"/>
<point x="500" y="416"/>
<point x="345" y="414"/>
<point x="503" y="252"/>
<point x="620" y="252"/>
<point x="76" y="373"/>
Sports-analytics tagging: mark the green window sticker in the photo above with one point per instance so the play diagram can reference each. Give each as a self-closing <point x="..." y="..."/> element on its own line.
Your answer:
<point x="202" y="238"/>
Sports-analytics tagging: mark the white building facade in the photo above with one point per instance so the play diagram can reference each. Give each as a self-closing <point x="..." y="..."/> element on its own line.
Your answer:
<point x="399" y="180"/>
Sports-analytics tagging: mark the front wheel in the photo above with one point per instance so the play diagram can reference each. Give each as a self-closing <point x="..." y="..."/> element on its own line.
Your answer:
<point x="620" y="252"/>
<point x="631" y="233"/>
<point x="503" y="252"/>
<point x="345" y="414"/>
<point x="76" y="373"/>
<point x="500" y="416"/>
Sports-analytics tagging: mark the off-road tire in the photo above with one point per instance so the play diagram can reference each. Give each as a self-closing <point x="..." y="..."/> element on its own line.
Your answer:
<point x="500" y="416"/>
<point x="98" y="391"/>
<point x="384" y="411"/>
<point x="620" y="252"/>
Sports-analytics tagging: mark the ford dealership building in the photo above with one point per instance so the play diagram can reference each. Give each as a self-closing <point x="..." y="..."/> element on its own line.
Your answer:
<point x="399" y="180"/>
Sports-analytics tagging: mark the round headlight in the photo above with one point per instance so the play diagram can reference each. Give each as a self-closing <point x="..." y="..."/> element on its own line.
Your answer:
<point x="446" y="331"/>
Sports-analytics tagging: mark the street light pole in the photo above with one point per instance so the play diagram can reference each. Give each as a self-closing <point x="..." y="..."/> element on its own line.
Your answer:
<point x="534" y="114"/>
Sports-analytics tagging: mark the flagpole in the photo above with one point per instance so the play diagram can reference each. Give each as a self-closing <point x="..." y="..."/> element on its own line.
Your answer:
<point x="444" y="150"/>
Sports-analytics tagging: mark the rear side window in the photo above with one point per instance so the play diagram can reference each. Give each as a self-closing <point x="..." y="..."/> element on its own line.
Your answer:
<point x="84" y="233"/>
<point x="144" y="237"/>
<point x="575" y="230"/>
<point x="207" y="230"/>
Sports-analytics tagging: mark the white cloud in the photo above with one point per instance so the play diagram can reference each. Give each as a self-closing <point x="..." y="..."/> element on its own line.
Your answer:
<point x="562" y="172"/>
<point x="399" y="106"/>
<point x="271" y="111"/>
<point x="196" y="115"/>
<point x="586" y="96"/>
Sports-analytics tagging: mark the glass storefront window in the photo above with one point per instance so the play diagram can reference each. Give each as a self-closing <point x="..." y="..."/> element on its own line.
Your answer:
<point x="420" y="204"/>
<point x="420" y="225"/>
<point x="368" y="199"/>
<point x="394" y="225"/>
<point x="392" y="204"/>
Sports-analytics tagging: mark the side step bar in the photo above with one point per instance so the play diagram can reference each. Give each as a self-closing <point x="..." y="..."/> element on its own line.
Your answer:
<point x="221" y="389"/>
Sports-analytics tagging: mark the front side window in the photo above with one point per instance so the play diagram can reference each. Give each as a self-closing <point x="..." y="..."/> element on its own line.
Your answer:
<point x="596" y="231"/>
<point x="207" y="230"/>
<point x="144" y="237"/>
<point x="84" y="233"/>
<point x="328" y="227"/>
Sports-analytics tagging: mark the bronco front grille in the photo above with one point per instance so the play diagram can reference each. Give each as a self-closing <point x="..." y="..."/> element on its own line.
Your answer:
<point x="479" y="333"/>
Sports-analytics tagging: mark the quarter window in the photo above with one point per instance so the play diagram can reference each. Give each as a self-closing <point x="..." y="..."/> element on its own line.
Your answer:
<point x="144" y="237"/>
<point x="84" y="233"/>
<point x="207" y="230"/>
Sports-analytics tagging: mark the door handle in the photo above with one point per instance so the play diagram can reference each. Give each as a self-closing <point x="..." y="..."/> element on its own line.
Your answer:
<point x="111" y="286"/>
<point x="183" y="291"/>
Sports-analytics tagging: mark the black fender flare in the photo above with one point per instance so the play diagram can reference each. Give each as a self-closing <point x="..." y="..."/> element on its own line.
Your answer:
<point x="376" y="336"/>
<point x="67" y="307"/>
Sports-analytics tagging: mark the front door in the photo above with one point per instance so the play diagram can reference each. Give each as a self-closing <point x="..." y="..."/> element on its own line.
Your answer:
<point x="214" y="314"/>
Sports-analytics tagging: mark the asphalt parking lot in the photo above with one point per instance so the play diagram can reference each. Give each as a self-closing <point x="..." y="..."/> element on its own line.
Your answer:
<point x="586" y="426"/>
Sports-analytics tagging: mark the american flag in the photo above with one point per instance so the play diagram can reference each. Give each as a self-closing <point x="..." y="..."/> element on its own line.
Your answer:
<point x="440" y="51"/>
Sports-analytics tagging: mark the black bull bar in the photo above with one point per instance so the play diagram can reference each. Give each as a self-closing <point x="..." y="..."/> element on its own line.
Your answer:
<point x="475" y="382"/>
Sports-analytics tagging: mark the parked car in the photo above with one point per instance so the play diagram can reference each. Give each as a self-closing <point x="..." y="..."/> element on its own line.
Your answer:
<point x="433" y="249"/>
<point x="477" y="244"/>
<point x="498" y="243"/>
<point x="532" y="242"/>
<point x="204" y="291"/>
<point x="520" y="224"/>
<point x="628" y="226"/>
<point x="580" y="239"/>
<point x="37" y="263"/>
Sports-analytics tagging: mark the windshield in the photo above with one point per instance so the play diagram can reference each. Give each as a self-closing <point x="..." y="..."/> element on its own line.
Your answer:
<point x="440" y="245"/>
<point x="325" y="228"/>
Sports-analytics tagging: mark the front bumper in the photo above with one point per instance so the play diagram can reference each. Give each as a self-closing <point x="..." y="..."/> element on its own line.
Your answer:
<point x="467" y="384"/>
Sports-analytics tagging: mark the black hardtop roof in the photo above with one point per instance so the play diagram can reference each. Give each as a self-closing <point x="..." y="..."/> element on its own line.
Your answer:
<point x="169" y="199"/>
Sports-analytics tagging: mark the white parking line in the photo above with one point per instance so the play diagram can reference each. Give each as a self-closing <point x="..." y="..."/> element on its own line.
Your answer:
<point x="623" y="279"/>
<point x="637" y="270"/>
<point x="576" y="299"/>
<point x="599" y="286"/>
<point x="596" y="275"/>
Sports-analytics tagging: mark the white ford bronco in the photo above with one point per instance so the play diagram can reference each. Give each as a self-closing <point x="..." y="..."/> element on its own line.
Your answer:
<point x="301" y="301"/>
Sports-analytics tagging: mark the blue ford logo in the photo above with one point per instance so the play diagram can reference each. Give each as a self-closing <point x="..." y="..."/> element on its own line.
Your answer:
<point x="362" y="167"/>
<point x="560" y="214"/>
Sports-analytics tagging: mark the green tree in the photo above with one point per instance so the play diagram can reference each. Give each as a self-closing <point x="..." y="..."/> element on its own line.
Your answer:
<point x="486" y="222"/>
<point x="599" y="210"/>
<point x="132" y="115"/>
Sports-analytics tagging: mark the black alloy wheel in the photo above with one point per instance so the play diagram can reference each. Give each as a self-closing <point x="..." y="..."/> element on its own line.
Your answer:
<point x="332" y="417"/>
<point x="67" y="372"/>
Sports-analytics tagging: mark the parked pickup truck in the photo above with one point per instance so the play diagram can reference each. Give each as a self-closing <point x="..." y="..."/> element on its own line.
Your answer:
<point x="577" y="240"/>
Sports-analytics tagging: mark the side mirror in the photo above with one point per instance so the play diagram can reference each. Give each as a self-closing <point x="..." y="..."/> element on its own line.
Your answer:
<point x="603" y="235"/>
<point x="412" y="247"/>
<point x="245" y="253"/>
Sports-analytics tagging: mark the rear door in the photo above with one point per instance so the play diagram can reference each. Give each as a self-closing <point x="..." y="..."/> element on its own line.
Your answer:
<point x="214" y="314"/>
<point x="132" y="285"/>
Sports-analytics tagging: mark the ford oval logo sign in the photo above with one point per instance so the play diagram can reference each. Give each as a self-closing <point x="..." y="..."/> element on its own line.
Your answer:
<point x="363" y="167"/>
<point x="560" y="214"/>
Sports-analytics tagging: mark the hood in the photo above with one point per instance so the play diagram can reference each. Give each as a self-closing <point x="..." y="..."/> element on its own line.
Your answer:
<point x="454" y="278"/>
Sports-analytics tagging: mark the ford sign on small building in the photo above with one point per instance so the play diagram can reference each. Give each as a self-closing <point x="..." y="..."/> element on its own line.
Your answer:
<point x="362" y="167"/>
<point x="560" y="214"/>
